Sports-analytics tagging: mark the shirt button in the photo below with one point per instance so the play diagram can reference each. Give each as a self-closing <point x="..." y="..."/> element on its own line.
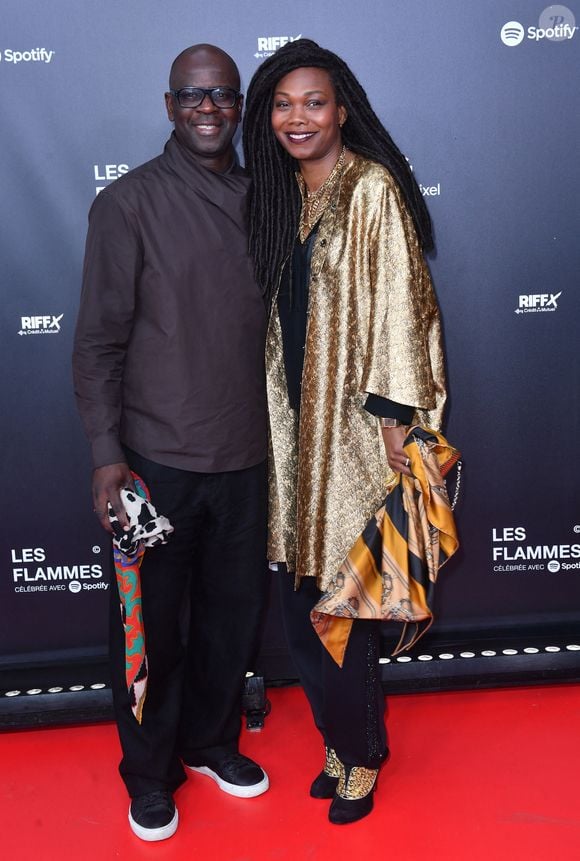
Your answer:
<point x="323" y="242"/>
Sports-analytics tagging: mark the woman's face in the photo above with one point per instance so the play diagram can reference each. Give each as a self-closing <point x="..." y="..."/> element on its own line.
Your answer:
<point x="305" y="117"/>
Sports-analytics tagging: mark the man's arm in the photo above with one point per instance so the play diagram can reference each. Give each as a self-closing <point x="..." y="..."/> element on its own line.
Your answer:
<point x="112" y="267"/>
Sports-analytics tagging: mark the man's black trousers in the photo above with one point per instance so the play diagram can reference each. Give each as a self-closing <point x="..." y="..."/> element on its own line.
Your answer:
<point x="204" y="594"/>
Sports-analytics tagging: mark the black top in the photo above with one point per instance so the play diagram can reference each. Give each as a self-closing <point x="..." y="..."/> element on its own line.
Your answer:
<point x="293" y="313"/>
<point x="169" y="347"/>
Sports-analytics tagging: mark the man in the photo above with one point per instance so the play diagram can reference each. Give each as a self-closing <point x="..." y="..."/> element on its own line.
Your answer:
<point x="169" y="378"/>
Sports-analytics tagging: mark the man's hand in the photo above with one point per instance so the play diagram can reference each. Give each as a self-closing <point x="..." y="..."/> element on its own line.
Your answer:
<point x="107" y="484"/>
<point x="394" y="439"/>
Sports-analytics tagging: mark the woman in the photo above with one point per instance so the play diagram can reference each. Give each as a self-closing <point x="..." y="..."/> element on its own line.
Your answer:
<point x="353" y="357"/>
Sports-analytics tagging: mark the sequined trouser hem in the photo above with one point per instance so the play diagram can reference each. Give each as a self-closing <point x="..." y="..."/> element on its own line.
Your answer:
<point x="348" y="704"/>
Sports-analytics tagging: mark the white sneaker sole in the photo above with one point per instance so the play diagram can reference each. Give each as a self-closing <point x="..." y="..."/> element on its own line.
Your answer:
<point x="153" y="834"/>
<point x="232" y="788"/>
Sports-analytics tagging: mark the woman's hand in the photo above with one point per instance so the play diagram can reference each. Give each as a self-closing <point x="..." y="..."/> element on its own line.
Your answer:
<point x="396" y="456"/>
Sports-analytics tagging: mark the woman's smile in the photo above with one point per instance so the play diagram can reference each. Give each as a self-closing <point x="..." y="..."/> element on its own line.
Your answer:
<point x="306" y="118"/>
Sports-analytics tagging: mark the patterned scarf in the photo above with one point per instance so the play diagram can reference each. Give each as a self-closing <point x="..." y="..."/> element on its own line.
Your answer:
<point x="391" y="571"/>
<point x="146" y="529"/>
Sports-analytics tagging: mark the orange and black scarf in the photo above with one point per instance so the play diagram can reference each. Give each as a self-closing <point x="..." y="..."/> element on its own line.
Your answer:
<point x="391" y="571"/>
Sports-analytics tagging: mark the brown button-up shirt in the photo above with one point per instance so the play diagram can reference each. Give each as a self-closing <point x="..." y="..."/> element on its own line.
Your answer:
<point x="169" y="346"/>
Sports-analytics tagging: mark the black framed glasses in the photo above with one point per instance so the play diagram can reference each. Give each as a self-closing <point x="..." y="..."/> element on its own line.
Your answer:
<point x="192" y="97"/>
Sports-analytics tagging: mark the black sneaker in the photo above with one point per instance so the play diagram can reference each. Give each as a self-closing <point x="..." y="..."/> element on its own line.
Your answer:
<point x="153" y="816"/>
<point x="235" y="774"/>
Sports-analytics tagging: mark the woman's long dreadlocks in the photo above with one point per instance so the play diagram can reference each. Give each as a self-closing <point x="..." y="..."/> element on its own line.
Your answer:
<point x="274" y="198"/>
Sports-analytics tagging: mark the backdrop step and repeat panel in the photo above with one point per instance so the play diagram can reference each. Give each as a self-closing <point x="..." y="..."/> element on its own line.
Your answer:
<point x="483" y="99"/>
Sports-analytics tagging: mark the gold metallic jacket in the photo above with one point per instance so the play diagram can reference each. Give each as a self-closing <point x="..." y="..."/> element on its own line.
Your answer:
<point x="373" y="327"/>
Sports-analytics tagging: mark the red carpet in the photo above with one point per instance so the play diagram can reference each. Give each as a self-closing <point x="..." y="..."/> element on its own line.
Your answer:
<point x="473" y="776"/>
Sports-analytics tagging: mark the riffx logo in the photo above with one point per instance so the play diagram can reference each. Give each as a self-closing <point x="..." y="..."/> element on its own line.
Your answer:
<point x="268" y="45"/>
<point x="47" y="324"/>
<point x="534" y="303"/>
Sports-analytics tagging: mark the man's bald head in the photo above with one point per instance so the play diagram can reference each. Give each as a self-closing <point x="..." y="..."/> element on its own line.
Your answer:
<point x="206" y="130"/>
<point x="206" y="56"/>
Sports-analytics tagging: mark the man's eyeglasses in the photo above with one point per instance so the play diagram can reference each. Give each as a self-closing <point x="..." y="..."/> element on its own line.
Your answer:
<point x="192" y="97"/>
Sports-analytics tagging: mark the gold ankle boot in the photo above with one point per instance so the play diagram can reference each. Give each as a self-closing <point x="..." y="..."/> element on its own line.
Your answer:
<point x="354" y="794"/>
<point x="324" y="786"/>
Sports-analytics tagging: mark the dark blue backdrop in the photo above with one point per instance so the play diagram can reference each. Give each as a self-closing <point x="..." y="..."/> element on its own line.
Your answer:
<point x="487" y="116"/>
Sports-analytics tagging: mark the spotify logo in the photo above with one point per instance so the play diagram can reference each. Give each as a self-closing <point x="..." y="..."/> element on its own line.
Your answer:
<point x="512" y="33"/>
